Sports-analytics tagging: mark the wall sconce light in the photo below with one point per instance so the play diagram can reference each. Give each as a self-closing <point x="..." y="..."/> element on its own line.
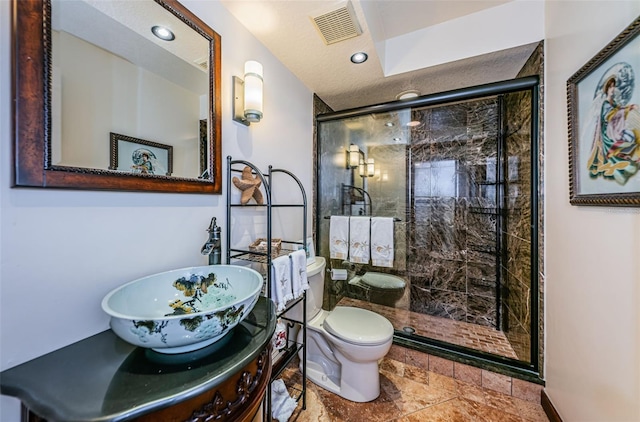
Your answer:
<point x="371" y="169"/>
<point x="247" y="94"/>
<point x="353" y="156"/>
<point x="362" y="169"/>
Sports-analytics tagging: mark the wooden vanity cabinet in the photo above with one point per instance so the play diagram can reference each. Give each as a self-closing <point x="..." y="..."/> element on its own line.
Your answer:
<point x="104" y="379"/>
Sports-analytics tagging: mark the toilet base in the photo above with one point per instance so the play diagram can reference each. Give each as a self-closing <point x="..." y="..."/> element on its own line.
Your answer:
<point x="318" y="377"/>
<point x="368" y="390"/>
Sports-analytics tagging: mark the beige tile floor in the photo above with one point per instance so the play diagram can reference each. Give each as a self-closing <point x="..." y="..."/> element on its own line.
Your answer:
<point x="410" y="393"/>
<point x="473" y="336"/>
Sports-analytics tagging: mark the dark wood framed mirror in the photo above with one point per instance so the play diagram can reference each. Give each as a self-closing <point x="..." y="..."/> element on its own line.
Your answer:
<point x="41" y="129"/>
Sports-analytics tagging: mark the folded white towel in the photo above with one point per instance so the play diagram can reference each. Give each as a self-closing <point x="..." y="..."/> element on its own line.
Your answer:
<point x="339" y="237"/>
<point x="382" y="241"/>
<point x="359" y="228"/>
<point x="281" y="287"/>
<point x="299" y="272"/>
<point x="282" y="405"/>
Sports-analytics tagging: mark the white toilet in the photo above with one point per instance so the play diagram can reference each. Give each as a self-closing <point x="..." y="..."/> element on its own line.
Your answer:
<point x="344" y="345"/>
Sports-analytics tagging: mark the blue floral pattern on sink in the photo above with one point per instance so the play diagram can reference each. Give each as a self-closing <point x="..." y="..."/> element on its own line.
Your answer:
<point x="183" y="310"/>
<point x="205" y="293"/>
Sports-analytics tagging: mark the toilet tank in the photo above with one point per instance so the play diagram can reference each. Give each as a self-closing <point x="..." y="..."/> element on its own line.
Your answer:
<point x="315" y="293"/>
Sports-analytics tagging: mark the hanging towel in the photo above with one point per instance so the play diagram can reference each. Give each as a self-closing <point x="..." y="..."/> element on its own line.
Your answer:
<point x="299" y="272"/>
<point x="281" y="287"/>
<point x="359" y="228"/>
<point x="382" y="241"/>
<point x="339" y="237"/>
<point x="282" y="405"/>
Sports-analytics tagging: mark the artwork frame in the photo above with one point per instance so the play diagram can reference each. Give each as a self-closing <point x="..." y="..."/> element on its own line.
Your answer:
<point x="603" y="105"/>
<point x="127" y="155"/>
<point x="203" y="145"/>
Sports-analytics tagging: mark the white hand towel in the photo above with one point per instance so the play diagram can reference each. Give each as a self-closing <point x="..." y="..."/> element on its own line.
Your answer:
<point x="299" y="272"/>
<point x="281" y="287"/>
<point x="282" y="405"/>
<point x="339" y="237"/>
<point x="359" y="228"/>
<point x="382" y="241"/>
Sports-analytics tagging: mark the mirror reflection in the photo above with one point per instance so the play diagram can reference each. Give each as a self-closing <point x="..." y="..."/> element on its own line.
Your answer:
<point x="102" y="103"/>
<point x="122" y="98"/>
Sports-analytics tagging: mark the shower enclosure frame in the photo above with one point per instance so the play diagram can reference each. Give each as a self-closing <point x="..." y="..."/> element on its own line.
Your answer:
<point x="525" y="370"/>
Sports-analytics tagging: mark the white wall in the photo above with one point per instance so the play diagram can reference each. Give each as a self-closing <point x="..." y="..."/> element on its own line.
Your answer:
<point x="61" y="251"/>
<point x="125" y="99"/>
<point x="592" y="253"/>
<point x="483" y="32"/>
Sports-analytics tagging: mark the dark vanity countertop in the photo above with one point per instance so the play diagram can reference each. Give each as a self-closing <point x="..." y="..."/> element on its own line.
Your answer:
<point x="103" y="378"/>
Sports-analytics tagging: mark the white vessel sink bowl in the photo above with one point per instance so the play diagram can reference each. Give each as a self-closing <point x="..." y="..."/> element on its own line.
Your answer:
<point x="183" y="310"/>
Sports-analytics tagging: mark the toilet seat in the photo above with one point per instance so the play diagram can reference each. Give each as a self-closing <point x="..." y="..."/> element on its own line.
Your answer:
<point x="358" y="326"/>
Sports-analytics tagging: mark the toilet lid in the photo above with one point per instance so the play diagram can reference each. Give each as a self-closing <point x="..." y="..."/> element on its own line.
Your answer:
<point x="358" y="326"/>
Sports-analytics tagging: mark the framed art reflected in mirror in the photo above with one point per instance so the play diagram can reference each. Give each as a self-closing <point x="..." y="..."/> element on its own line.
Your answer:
<point x="138" y="156"/>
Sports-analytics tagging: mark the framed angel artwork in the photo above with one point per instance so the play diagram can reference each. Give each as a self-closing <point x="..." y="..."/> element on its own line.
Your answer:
<point x="604" y="125"/>
<point x="134" y="155"/>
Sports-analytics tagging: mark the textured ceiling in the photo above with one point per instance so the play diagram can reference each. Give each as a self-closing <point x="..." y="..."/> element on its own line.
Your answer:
<point x="286" y="29"/>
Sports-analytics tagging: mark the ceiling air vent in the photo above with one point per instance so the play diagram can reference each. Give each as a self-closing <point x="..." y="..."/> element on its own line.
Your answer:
<point x="339" y="23"/>
<point x="202" y="63"/>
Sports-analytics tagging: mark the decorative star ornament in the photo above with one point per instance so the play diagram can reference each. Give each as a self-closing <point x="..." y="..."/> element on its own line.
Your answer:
<point x="249" y="185"/>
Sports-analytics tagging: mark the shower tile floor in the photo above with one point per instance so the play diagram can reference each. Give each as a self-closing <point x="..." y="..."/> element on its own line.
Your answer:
<point x="477" y="337"/>
<point x="409" y="393"/>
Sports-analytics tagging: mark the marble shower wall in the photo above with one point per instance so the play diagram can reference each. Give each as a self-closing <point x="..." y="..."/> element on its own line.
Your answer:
<point x="452" y="253"/>
<point x="535" y="66"/>
<point x="463" y="242"/>
<point x="455" y="258"/>
<point x="517" y="270"/>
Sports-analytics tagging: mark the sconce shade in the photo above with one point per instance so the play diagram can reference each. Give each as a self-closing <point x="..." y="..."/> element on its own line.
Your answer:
<point x="354" y="156"/>
<point x="370" y="167"/>
<point x="362" y="169"/>
<point x="253" y="91"/>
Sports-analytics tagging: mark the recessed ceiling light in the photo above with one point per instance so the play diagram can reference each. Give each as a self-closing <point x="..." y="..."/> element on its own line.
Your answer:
<point x="359" y="57"/>
<point x="397" y="139"/>
<point x="414" y="123"/>
<point x="163" y="33"/>
<point x="389" y="124"/>
<point x="405" y="95"/>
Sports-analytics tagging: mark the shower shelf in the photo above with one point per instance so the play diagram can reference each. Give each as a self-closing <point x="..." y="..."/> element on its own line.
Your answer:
<point x="481" y="210"/>
<point x="482" y="250"/>
<point x="488" y="183"/>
